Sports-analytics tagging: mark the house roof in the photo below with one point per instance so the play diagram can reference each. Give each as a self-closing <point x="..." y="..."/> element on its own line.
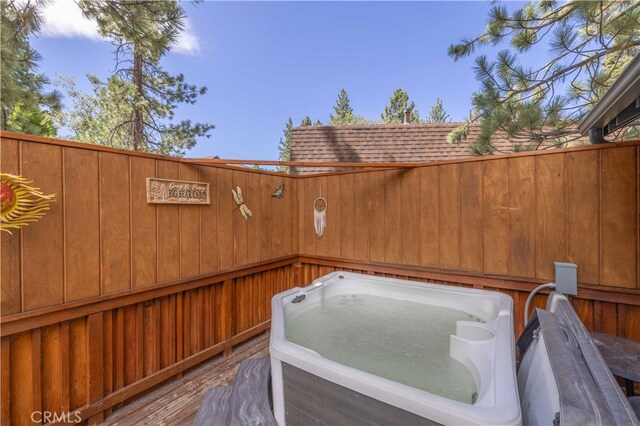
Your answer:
<point x="420" y="142"/>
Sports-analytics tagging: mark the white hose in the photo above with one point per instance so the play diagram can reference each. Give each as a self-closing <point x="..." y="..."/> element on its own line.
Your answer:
<point x="533" y="293"/>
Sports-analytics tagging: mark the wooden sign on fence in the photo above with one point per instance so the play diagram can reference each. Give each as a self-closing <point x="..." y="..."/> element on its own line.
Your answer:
<point x="167" y="191"/>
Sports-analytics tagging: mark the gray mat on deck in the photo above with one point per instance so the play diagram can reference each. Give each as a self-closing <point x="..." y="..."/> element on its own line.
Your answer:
<point x="244" y="403"/>
<point x="214" y="407"/>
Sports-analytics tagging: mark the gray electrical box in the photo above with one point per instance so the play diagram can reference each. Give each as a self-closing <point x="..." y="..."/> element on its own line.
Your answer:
<point x="566" y="278"/>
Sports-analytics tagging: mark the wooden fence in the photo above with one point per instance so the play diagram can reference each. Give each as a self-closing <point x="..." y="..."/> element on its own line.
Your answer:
<point x="90" y="363"/>
<point x="101" y="237"/>
<point x="108" y="296"/>
<point x="500" y="217"/>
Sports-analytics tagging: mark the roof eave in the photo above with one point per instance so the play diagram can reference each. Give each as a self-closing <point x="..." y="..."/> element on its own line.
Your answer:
<point x="623" y="91"/>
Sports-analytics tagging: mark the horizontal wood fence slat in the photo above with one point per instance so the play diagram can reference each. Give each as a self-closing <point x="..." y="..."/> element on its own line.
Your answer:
<point x="108" y="296"/>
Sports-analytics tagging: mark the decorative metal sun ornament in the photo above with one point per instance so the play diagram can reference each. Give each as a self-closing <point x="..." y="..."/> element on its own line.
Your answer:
<point x="21" y="203"/>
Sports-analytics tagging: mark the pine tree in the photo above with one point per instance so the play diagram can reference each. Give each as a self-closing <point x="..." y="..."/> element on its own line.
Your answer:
<point x="96" y="118"/>
<point x="437" y="114"/>
<point x="142" y="117"/>
<point x="342" y="108"/>
<point x="344" y="113"/>
<point x="398" y="104"/>
<point x="306" y="121"/>
<point x="284" y="146"/>
<point x="591" y="42"/>
<point x="26" y="106"/>
<point x="318" y="123"/>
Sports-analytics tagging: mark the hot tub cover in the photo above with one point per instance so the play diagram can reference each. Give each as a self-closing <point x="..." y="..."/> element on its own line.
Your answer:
<point x="588" y="392"/>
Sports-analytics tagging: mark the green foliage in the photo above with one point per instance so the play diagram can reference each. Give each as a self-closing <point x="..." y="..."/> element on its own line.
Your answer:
<point x="590" y="44"/>
<point x="149" y="27"/>
<point x="344" y="113"/>
<point x="459" y="133"/>
<point x="32" y="121"/>
<point x="437" y="114"/>
<point x="284" y="146"/>
<point x="307" y="122"/>
<point x="26" y="106"/>
<point x="135" y="107"/>
<point x="343" y="110"/>
<point x="103" y="117"/>
<point x="398" y="104"/>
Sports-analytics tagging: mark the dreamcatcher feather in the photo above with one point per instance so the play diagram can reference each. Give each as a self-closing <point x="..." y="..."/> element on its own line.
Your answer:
<point x="21" y="203"/>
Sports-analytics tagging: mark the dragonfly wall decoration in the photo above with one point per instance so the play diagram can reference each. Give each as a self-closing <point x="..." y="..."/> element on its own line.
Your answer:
<point x="244" y="210"/>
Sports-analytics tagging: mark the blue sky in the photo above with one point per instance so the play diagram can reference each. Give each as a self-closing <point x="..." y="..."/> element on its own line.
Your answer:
<point x="265" y="62"/>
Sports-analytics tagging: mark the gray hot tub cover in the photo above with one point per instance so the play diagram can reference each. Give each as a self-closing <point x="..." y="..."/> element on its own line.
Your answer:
<point x="589" y="394"/>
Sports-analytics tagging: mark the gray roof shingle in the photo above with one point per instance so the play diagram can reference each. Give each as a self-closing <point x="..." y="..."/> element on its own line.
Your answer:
<point x="420" y="142"/>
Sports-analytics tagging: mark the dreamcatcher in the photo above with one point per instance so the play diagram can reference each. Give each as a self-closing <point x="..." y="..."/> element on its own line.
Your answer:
<point x="20" y="202"/>
<point x="320" y="214"/>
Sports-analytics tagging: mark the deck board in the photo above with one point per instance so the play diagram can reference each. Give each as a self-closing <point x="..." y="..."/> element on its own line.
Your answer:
<point x="176" y="402"/>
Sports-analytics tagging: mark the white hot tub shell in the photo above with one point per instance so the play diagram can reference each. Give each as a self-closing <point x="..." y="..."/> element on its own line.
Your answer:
<point x="485" y="348"/>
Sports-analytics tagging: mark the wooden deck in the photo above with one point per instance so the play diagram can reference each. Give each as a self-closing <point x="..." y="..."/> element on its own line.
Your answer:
<point x="177" y="402"/>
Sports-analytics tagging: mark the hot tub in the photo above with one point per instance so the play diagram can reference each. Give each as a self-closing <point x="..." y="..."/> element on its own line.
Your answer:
<point x="358" y="349"/>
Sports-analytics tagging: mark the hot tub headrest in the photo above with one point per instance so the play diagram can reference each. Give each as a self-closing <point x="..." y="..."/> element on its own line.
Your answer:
<point x="588" y="392"/>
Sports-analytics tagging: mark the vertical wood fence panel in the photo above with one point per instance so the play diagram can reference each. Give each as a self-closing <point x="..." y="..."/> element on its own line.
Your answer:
<point x="254" y="246"/>
<point x="583" y="206"/>
<point x="551" y="214"/>
<point x="240" y="225"/>
<point x="143" y="219"/>
<point x="496" y="217"/>
<point x="392" y="211"/>
<point x="347" y="217"/>
<point x="209" y="223"/>
<point x="618" y="217"/>
<point x="410" y="194"/>
<point x="522" y="217"/>
<point x="375" y="212"/>
<point x="471" y="217"/>
<point x="226" y="205"/>
<point x="448" y="216"/>
<point x="115" y="231"/>
<point x="429" y="216"/>
<point x="10" y="295"/>
<point x="169" y="236"/>
<point x="81" y="224"/>
<point x="367" y="236"/>
<point x="43" y="281"/>
<point x="189" y="228"/>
